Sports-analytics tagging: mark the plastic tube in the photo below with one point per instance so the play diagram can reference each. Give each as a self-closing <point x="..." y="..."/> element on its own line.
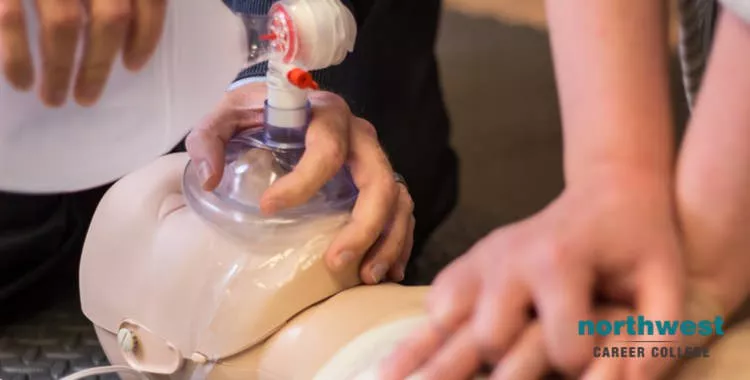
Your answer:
<point x="104" y="371"/>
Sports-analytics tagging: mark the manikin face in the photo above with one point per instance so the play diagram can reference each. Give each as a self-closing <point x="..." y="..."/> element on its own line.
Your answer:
<point x="150" y="260"/>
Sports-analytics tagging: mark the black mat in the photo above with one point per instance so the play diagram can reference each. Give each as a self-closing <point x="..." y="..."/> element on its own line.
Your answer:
<point x="43" y="333"/>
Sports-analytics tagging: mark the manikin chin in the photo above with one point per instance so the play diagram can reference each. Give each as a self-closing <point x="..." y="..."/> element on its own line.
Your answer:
<point x="172" y="296"/>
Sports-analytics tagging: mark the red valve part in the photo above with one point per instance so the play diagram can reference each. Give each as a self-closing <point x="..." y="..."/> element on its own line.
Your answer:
<point x="302" y="79"/>
<point x="268" y="37"/>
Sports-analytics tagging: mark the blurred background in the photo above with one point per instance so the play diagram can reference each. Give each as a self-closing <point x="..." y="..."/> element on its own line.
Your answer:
<point x="499" y="85"/>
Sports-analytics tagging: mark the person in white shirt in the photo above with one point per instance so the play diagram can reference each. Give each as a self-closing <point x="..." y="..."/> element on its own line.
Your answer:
<point x="130" y="27"/>
<point x="92" y="117"/>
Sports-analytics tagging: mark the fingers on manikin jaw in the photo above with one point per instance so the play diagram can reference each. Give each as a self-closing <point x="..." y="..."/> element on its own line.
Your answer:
<point x="398" y="269"/>
<point x="391" y="251"/>
<point x="375" y="206"/>
<point x="14" y="45"/>
<point x="366" y="226"/>
<point x="366" y="223"/>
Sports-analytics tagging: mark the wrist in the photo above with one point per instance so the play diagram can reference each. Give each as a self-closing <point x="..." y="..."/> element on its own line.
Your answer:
<point x="653" y="173"/>
<point x="639" y="149"/>
<point x="611" y="178"/>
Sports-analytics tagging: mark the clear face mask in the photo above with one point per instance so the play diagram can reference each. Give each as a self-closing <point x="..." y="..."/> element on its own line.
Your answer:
<point x="295" y="35"/>
<point x="253" y="162"/>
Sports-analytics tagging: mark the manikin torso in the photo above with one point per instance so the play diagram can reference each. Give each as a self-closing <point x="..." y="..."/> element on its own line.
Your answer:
<point x="151" y="264"/>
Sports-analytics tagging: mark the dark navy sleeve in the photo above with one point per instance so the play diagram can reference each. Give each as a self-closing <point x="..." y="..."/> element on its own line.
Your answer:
<point x="260" y="7"/>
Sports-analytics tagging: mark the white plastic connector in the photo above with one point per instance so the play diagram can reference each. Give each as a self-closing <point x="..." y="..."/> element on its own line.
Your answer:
<point x="326" y="25"/>
<point x="127" y="340"/>
<point x="287" y="103"/>
<point x="324" y="32"/>
<point x="281" y="93"/>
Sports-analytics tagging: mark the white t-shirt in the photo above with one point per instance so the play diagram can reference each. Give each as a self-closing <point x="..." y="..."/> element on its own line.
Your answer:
<point x="139" y="117"/>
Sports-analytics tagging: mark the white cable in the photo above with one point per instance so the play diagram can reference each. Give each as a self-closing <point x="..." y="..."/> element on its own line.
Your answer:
<point x="103" y="371"/>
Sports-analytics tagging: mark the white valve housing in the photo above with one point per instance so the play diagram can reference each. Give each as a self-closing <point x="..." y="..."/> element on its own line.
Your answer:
<point x="308" y="35"/>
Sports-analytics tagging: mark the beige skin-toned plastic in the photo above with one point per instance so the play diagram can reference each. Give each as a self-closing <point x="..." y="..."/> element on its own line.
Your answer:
<point x="155" y="273"/>
<point x="310" y="340"/>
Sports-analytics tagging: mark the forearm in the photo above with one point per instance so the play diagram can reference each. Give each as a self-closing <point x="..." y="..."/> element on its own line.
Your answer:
<point x="713" y="180"/>
<point x="716" y="153"/>
<point x="611" y="68"/>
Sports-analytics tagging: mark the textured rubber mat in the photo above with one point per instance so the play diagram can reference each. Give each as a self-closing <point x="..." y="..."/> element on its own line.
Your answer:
<point x="50" y="344"/>
<point x="43" y="333"/>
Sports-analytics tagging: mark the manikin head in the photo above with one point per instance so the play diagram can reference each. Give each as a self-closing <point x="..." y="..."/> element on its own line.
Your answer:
<point x="154" y="270"/>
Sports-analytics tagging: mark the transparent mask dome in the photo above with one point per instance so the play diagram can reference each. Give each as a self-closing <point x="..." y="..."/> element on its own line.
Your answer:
<point x="253" y="162"/>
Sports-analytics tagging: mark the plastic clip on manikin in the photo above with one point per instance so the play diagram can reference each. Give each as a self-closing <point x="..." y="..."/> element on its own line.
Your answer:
<point x="295" y="37"/>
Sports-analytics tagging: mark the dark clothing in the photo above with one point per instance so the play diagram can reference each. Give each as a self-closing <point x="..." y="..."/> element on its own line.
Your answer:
<point x="391" y="80"/>
<point x="42" y="234"/>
